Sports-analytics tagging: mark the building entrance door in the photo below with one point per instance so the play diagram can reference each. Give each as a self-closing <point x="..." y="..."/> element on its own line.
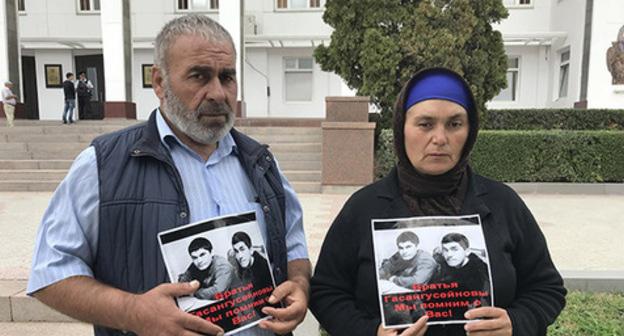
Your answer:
<point x="93" y="66"/>
<point x="31" y="98"/>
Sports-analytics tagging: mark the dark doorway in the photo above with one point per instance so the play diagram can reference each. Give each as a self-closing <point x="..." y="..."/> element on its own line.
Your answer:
<point x="93" y="66"/>
<point x="31" y="98"/>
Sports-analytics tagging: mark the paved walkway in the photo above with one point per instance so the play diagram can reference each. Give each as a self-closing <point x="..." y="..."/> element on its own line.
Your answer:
<point x="584" y="233"/>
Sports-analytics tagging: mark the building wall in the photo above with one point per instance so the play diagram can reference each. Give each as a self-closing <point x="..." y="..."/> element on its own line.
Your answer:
<point x="51" y="100"/>
<point x="538" y="82"/>
<point x="532" y="78"/>
<point x="148" y="16"/>
<point x="57" y="19"/>
<point x="608" y="20"/>
<point x="144" y="98"/>
<point x="324" y="84"/>
<point x="4" y="56"/>
<point x="256" y="82"/>
<point x="538" y="85"/>
<point x="568" y="16"/>
<point x="272" y="21"/>
<point x="533" y="18"/>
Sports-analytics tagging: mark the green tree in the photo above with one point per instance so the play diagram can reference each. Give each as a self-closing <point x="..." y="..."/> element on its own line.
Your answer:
<point x="377" y="45"/>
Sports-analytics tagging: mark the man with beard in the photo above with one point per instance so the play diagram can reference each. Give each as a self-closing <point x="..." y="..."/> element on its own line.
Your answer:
<point x="97" y="257"/>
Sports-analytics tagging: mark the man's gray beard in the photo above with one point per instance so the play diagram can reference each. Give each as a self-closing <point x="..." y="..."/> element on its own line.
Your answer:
<point x="188" y="121"/>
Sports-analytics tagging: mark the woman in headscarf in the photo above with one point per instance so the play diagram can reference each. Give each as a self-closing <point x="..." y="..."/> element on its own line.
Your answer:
<point x="435" y="127"/>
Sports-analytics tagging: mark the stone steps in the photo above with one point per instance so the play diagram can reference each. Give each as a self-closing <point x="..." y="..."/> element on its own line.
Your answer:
<point x="48" y="180"/>
<point x="57" y="138"/>
<point x="35" y="155"/>
<point x="282" y="153"/>
<point x="79" y="137"/>
<point x="35" y="164"/>
<point x="27" y="185"/>
<point x="61" y="129"/>
<point x="70" y="150"/>
<point x="34" y="175"/>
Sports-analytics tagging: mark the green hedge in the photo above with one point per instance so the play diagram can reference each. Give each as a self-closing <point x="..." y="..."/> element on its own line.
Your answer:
<point x="568" y="119"/>
<point x="536" y="156"/>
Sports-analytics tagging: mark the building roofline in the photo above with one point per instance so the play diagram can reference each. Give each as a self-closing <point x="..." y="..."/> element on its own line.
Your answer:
<point x="533" y="38"/>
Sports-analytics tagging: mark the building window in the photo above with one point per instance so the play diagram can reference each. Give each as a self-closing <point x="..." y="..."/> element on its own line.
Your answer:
<point x="21" y="6"/>
<point x="512" y="3"/>
<point x="298" y="78"/>
<point x="564" y="73"/>
<point x="88" y="5"/>
<point x="298" y="4"/>
<point x="198" y="5"/>
<point x="511" y="92"/>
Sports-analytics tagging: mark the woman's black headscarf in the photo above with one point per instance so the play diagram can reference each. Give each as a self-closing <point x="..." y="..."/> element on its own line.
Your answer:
<point x="433" y="194"/>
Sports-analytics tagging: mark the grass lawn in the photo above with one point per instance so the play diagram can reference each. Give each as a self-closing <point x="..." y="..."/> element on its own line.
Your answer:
<point x="588" y="314"/>
<point x="591" y="314"/>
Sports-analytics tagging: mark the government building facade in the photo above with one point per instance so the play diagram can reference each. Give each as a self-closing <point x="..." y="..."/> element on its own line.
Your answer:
<point x="558" y="50"/>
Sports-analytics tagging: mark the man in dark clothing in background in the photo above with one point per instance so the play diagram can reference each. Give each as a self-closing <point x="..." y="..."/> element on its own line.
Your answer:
<point x="70" y="98"/>
<point x="84" y="95"/>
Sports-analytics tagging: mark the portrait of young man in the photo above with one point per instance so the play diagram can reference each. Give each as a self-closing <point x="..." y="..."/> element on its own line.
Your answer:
<point x="214" y="272"/>
<point x="409" y="265"/>
<point x="251" y="266"/>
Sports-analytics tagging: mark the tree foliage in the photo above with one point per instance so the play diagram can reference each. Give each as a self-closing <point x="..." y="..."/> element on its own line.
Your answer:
<point x="377" y="45"/>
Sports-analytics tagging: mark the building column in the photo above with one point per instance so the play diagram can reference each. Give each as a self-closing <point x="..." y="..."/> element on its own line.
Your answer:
<point x="10" y="52"/>
<point x="117" y="51"/>
<point x="231" y="18"/>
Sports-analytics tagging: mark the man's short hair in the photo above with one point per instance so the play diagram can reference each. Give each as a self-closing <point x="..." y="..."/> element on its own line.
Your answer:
<point x="408" y="236"/>
<point x="456" y="238"/>
<point x="69" y="74"/>
<point x="199" y="243"/>
<point x="193" y="24"/>
<point x="8" y="83"/>
<point x="82" y="73"/>
<point x="241" y="236"/>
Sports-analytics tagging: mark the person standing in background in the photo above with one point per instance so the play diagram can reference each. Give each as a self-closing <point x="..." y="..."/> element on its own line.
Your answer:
<point x="84" y="90"/>
<point x="9" y="101"/>
<point x="70" y="98"/>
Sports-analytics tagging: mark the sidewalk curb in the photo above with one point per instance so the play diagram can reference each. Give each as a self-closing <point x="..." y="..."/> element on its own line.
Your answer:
<point x="567" y="188"/>
<point x="522" y="188"/>
<point x="594" y="281"/>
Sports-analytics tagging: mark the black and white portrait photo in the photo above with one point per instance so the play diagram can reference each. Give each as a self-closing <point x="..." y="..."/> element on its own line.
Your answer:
<point x="227" y="255"/>
<point x="249" y="261"/>
<point x="214" y="272"/>
<point x="431" y="265"/>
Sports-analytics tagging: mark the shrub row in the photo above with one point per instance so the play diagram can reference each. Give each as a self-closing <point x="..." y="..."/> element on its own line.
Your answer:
<point x="536" y="156"/>
<point x="566" y="119"/>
